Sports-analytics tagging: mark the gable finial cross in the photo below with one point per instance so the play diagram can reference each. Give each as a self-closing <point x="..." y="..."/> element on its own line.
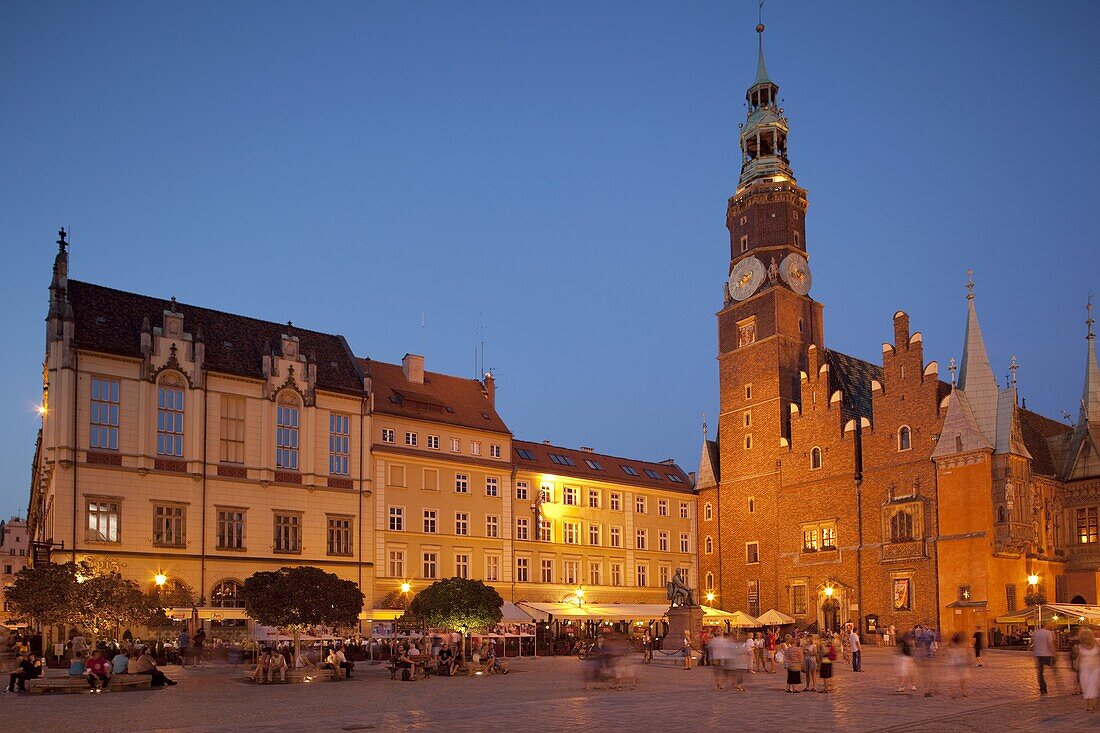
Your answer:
<point x="952" y="367"/>
<point x="1012" y="367"/>
<point x="970" y="285"/>
<point x="1089" y="321"/>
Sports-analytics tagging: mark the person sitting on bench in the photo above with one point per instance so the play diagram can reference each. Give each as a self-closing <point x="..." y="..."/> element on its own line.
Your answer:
<point x="405" y="663"/>
<point x="277" y="664"/>
<point x="446" y="660"/>
<point x="98" y="671"/>
<point x="27" y="668"/>
<point x="147" y="665"/>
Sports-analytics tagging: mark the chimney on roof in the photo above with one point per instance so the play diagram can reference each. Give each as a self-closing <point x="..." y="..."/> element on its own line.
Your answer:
<point x="586" y="449"/>
<point x="547" y="442"/>
<point x="491" y="389"/>
<point x="413" y="366"/>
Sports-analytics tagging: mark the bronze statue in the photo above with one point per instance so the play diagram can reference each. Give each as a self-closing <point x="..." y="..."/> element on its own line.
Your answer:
<point x="679" y="594"/>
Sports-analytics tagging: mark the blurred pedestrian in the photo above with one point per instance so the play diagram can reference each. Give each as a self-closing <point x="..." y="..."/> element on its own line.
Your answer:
<point x="1088" y="665"/>
<point x="1042" y="648"/>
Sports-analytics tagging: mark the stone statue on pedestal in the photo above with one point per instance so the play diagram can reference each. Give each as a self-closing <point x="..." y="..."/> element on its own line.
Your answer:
<point x="679" y="594"/>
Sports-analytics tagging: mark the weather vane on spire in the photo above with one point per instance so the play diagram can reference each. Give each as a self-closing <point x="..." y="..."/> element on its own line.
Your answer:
<point x="970" y="285"/>
<point x="61" y="243"/>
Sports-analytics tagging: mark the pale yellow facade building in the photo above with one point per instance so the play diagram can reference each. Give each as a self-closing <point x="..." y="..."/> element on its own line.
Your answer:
<point x="206" y="446"/>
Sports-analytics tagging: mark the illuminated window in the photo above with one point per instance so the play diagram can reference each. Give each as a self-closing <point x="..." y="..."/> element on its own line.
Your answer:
<point x="104" y="520"/>
<point x="1087" y="526"/>
<point x="227" y="594"/>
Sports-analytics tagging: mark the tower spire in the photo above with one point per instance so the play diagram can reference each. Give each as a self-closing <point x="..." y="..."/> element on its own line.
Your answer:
<point x="764" y="133"/>
<point x="1083" y="457"/>
<point x="975" y="372"/>
<point x="761" y="70"/>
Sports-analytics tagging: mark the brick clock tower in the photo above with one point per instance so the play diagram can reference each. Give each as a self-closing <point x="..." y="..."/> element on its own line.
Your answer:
<point x="767" y="322"/>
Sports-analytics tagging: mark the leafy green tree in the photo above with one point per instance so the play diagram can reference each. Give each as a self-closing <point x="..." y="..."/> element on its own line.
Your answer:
<point x="44" y="593"/>
<point x="174" y="594"/>
<point x="299" y="598"/>
<point x="395" y="600"/>
<point x="458" y="604"/>
<point x="107" y="602"/>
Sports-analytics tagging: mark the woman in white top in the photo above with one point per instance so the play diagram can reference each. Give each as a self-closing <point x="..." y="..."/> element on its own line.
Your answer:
<point x="1088" y="668"/>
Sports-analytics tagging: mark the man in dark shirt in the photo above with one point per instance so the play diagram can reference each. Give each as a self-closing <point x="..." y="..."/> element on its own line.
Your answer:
<point x="446" y="660"/>
<point x="28" y="667"/>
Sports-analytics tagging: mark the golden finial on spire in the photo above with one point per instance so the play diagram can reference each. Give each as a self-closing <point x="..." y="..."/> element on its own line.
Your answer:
<point x="970" y="285"/>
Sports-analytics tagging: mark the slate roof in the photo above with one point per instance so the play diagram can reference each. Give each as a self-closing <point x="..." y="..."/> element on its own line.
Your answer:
<point x="611" y="467"/>
<point x="441" y="398"/>
<point x="1037" y="431"/>
<point x="109" y="321"/>
<point x="852" y="377"/>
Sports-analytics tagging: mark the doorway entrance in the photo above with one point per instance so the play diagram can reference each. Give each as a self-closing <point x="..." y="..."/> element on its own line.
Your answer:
<point x="830" y="613"/>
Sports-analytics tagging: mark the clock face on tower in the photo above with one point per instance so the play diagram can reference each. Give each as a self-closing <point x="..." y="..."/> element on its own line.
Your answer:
<point x="746" y="278"/>
<point x="795" y="271"/>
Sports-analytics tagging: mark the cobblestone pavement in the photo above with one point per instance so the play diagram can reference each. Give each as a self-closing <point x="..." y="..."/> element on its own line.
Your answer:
<point x="546" y="695"/>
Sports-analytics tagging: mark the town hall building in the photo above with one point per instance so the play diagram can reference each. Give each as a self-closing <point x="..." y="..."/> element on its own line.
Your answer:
<point x="839" y="489"/>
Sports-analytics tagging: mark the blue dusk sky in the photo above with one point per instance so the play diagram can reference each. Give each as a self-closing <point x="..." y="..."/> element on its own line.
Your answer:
<point x="557" y="173"/>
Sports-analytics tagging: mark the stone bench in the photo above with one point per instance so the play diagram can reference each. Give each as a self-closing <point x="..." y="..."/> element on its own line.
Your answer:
<point x="118" y="683"/>
<point x="300" y="676"/>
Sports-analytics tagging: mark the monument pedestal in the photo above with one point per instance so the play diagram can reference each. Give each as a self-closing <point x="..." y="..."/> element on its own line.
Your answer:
<point x="681" y="619"/>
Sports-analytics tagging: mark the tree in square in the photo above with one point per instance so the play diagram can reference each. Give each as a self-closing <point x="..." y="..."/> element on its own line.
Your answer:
<point x="300" y="598"/>
<point x="458" y="604"/>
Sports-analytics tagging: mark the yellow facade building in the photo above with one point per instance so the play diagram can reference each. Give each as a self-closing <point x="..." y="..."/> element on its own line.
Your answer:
<point x="204" y="446"/>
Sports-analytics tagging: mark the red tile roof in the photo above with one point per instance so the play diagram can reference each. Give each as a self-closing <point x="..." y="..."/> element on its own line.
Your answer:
<point x="611" y="467"/>
<point x="1037" y="430"/>
<point x="441" y="398"/>
<point x="109" y="321"/>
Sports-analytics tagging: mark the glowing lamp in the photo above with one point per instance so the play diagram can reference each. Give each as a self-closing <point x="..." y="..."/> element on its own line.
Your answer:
<point x="160" y="579"/>
<point x="710" y="598"/>
<point x="828" y="591"/>
<point x="1033" y="579"/>
<point x="580" y="592"/>
<point x="406" y="587"/>
<point x="41" y="409"/>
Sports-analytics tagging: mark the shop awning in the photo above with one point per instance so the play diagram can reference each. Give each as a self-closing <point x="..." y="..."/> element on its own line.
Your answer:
<point x="772" y="617"/>
<point x="612" y="611"/>
<point x="1056" y="613"/>
<point x="737" y="619"/>
<point x="206" y="613"/>
<point x="513" y="614"/>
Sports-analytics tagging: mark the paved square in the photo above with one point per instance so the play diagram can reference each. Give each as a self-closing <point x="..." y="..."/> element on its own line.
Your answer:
<point x="546" y="695"/>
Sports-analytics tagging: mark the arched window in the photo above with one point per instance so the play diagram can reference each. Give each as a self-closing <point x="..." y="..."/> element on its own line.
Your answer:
<point x="170" y="415"/>
<point x="815" y="457"/>
<point x="905" y="438"/>
<point x="901" y="526"/>
<point x="708" y="511"/>
<point x="286" y="432"/>
<point x="710" y="582"/>
<point x="1002" y="517"/>
<point x="708" y="545"/>
<point x="227" y="594"/>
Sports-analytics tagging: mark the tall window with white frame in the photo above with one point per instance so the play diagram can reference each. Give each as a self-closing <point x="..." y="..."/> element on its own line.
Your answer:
<point x="523" y="569"/>
<point x="286" y="435"/>
<point x="104" y="520"/>
<point x="230" y="529"/>
<point x="431" y="563"/>
<point x="339" y="536"/>
<point x="339" y="444"/>
<point x="462" y="565"/>
<point x="170" y="417"/>
<point x="492" y="568"/>
<point x="288" y="533"/>
<point x="492" y="526"/>
<point x="397" y="563"/>
<point x="168" y="524"/>
<point x="104" y="414"/>
<point x="232" y="425"/>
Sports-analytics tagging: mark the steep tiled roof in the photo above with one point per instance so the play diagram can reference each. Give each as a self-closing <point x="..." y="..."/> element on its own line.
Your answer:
<point x="109" y="321"/>
<point x="852" y="377"/>
<point x="1038" y="432"/>
<point x="441" y="398"/>
<point x="573" y="462"/>
<point x="709" y="474"/>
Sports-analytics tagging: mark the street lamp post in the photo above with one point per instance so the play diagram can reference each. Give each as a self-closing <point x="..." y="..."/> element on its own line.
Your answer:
<point x="158" y="581"/>
<point x="1033" y="582"/>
